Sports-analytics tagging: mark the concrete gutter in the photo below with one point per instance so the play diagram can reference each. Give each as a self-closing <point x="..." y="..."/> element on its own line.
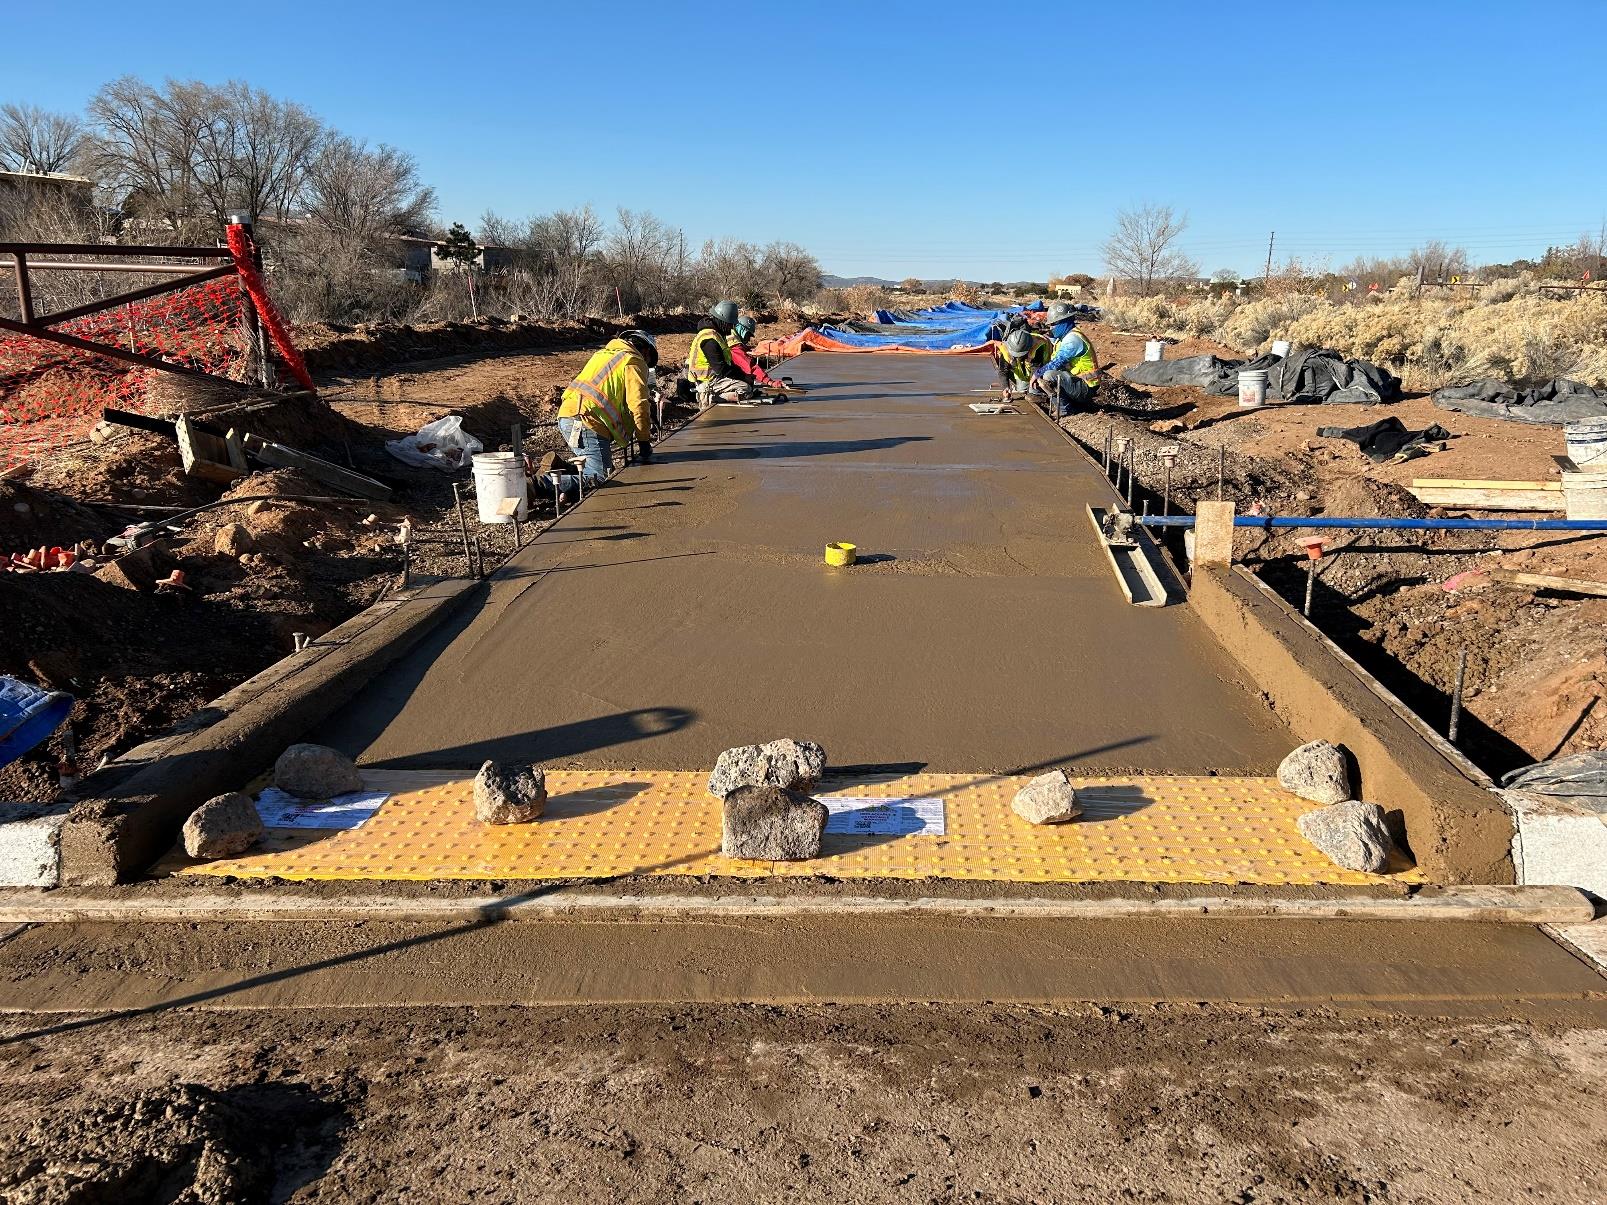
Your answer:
<point x="1482" y="905"/>
<point x="132" y="811"/>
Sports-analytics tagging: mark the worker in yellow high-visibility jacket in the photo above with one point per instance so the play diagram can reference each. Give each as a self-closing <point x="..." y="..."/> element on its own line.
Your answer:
<point x="1071" y="376"/>
<point x="714" y="377"/>
<point x="1020" y="354"/>
<point x="608" y="404"/>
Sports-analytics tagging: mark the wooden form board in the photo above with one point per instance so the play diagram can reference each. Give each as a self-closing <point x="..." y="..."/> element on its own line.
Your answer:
<point x="1488" y="495"/>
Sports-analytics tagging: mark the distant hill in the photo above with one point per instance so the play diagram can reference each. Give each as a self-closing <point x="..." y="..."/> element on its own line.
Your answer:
<point x="829" y="281"/>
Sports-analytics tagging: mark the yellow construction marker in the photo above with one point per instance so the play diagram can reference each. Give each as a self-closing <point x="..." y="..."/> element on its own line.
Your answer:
<point x="840" y="554"/>
<point x="604" y="823"/>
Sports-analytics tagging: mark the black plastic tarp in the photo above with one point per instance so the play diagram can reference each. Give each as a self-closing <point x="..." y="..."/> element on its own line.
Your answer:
<point x="1556" y="402"/>
<point x="1387" y="438"/>
<point x="1579" y="777"/>
<point x="1315" y="375"/>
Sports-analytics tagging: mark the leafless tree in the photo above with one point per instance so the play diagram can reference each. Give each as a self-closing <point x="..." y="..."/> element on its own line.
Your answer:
<point x="641" y="255"/>
<point x="789" y="273"/>
<point x="1437" y="261"/>
<point x="1142" y="247"/>
<point x="36" y="140"/>
<point x="254" y="152"/>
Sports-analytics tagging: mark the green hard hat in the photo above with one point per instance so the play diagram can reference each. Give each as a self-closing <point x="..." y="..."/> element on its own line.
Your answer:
<point x="724" y="311"/>
<point x="744" y="327"/>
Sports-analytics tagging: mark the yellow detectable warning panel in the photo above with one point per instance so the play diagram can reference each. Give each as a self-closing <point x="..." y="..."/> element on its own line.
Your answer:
<point x="601" y="824"/>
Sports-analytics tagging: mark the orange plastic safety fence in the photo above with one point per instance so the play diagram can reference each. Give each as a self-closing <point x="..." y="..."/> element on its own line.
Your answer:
<point x="51" y="395"/>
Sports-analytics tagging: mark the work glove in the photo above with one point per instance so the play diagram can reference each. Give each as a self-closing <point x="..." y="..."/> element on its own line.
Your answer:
<point x="644" y="451"/>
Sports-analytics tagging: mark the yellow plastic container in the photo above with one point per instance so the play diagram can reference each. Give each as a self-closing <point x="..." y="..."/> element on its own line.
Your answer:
<point x="840" y="554"/>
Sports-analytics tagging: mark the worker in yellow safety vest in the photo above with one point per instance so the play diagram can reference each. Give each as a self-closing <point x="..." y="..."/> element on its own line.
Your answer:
<point x="1016" y="358"/>
<point x="1071" y="375"/>
<point x="709" y="367"/>
<point x="608" y="404"/>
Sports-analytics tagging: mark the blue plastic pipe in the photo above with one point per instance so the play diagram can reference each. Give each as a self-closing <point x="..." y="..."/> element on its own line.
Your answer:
<point x="1271" y="521"/>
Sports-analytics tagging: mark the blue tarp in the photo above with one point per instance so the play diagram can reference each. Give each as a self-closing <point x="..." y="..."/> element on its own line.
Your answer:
<point x="28" y="715"/>
<point x="947" y="327"/>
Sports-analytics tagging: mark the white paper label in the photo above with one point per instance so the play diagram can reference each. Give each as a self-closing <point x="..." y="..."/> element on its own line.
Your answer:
<point x="899" y="817"/>
<point x="279" y="809"/>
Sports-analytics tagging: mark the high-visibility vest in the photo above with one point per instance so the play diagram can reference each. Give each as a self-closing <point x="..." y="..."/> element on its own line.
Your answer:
<point x="598" y="393"/>
<point x="701" y="356"/>
<point x="1084" y="364"/>
<point x="1041" y="352"/>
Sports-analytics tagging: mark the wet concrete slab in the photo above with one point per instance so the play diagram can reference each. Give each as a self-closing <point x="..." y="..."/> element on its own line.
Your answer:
<point x="686" y="608"/>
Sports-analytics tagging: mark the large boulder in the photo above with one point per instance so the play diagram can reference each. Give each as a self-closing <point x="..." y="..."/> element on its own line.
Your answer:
<point x="788" y="764"/>
<point x="316" y="772"/>
<point x="1352" y="835"/>
<point x="1047" y="799"/>
<point x="222" y="827"/>
<point x="768" y="824"/>
<point x="1317" y="771"/>
<point x="509" y="793"/>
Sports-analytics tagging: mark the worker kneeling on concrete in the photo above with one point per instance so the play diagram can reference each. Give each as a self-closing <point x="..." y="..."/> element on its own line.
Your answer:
<point x="1021" y="354"/>
<point x="742" y="359"/>
<point x="608" y="404"/>
<point x="1071" y="376"/>
<point x="708" y="361"/>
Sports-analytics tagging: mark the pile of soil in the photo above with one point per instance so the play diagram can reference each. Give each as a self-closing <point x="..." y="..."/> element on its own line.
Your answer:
<point x="181" y="1143"/>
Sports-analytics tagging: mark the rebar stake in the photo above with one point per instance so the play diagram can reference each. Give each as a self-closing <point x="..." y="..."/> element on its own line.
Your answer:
<point x="557" y="494"/>
<point x="1166" y="495"/>
<point x="1311" y="579"/>
<point x="1132" y="467"/>
<point x="1456" y="696"/>
<point x="463" y="526"/>
<point x="407" y="566"/>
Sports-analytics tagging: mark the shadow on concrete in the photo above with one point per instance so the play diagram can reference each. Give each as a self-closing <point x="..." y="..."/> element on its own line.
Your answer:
<point x="549" y="744"/>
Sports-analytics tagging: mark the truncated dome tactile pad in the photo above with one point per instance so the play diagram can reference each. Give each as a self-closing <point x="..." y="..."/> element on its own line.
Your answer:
<point x="602" y="824"/>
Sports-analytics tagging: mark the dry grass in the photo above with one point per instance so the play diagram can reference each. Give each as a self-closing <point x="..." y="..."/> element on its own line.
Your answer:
<point x="1510" y="330"/>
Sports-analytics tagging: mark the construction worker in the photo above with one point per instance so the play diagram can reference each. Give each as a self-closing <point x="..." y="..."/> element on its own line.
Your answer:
<point x="742" y="359"/>
<point x="608" y="404"/>
<point x="708" y="361"/>
<point x="1018" y="356"/>
<point x="1071" y="375"/>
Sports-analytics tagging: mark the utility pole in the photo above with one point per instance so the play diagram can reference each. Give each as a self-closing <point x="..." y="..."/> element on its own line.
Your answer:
<point x="1266" y="277"/>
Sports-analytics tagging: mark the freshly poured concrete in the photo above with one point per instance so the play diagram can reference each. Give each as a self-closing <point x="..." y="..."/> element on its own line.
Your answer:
<point x="685" y="607"/>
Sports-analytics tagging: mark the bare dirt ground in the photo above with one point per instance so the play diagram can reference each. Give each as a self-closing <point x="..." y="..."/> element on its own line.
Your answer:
<point x="137" y="660"/>
<point x="1405" y="604"/>
<point x="757" y="1103"/>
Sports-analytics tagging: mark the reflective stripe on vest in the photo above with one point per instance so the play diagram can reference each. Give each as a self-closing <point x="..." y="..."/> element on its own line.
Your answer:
<point x="698" y="342"/>
<point x="592" y="389"/>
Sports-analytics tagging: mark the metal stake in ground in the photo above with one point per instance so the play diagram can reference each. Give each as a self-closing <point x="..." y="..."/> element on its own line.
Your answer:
<point x="1167" y="454"/>
<point x="463" y="526"/>
<point x="1109" y="435"/>
<point x="1456" y="696"/>
<point x="1132" y="465"/>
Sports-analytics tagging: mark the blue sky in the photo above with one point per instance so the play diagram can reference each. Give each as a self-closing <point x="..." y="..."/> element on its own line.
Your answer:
<point x="930" y="139"/>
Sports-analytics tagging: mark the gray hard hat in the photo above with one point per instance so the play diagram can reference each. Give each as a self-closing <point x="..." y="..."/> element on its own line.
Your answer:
<point x="1060" y="312"/>
<point x="725" y="311"/>
<point x="1019" y="342"/>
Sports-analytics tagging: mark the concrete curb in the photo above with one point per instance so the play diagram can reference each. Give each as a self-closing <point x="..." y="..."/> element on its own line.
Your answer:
<point x="133" y="810"/>
<point x="1481" y="905"/>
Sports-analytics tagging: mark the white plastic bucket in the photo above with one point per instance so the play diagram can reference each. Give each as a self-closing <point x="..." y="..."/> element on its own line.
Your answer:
<point x="499" y="476"/>
<point x="1584" y="495"/>
<point x="1280" y="347"/>
<point x="1587" y="444"/>
<point x="1154" y="349"/>
<point x="1252" y="388"/>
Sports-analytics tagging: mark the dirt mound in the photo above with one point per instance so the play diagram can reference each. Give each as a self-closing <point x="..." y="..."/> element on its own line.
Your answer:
<point x="183" y="1143"/>
<point x="1363" y="497"/>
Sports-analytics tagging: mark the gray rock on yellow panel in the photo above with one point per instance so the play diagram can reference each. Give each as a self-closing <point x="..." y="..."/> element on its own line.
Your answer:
<point x="316" y="772"/>
<point x="768" y="824"/>
<point x="1047" y="799"/>
<point x="788" y="764"/>
<point x="223" y="826"/>
<point x="1352" y="835"/>
<point x="1317" y="771"/>
<point x="509" y="793"/>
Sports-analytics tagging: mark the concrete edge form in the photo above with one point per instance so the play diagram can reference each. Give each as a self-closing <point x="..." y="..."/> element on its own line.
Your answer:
<point x="131" y="813"/>
<point x="1483" y="905"/>
<point x="1138" y="570"/>
<point x="1459" y="829"/>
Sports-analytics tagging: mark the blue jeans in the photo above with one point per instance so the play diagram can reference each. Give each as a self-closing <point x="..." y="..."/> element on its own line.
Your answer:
<point x="596" y="454"/>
